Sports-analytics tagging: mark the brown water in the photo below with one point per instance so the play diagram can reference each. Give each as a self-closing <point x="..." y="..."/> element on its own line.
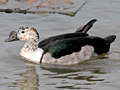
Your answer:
<point x="102" y="73"/>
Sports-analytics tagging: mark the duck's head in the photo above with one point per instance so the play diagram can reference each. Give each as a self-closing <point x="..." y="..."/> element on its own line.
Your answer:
<point x="23" y="34"/>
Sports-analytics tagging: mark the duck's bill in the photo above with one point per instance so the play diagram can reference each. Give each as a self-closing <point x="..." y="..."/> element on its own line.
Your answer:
<point x="12" y="37"/>
<point x="10" y="40"/>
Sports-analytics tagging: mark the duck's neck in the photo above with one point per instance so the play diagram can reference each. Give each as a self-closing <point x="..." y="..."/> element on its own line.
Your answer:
<point x="31" y="52"/>
<point x="31" y="45"/>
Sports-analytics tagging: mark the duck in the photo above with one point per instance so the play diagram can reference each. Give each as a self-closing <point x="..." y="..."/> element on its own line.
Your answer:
<point x="64" y="51"/>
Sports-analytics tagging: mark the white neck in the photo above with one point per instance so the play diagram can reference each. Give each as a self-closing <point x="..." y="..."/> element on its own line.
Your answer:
<point x="31" y="52"/>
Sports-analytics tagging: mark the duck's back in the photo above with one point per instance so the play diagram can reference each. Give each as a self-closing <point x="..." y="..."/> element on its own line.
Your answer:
<point x="68" y="46"/>
<point x="49" y="40"/>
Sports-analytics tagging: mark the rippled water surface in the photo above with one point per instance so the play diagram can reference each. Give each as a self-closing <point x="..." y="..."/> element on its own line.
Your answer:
<point x="101" y="73"/>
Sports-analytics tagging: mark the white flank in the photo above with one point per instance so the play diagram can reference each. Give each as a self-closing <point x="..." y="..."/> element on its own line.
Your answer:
<point x="86" y="53"/>
<point x="33" y="56"/>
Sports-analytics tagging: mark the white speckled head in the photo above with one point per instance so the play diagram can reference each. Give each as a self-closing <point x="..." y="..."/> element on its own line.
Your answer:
<point x="27" y="34"/>
<point x="30" y="50"/>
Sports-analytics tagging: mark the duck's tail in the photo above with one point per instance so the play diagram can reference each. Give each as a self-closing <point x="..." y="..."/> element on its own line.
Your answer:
<point x="110" y="38"/>
<point x="85" y="28"/>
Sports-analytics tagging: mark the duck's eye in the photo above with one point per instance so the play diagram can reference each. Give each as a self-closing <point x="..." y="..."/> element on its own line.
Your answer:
<point x="23" y="32"/>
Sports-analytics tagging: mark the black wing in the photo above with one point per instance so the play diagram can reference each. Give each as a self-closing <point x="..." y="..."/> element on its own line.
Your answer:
<point x="67" y="46"/>
<point x="81" y="32"/>
<point x="86" y="27"/>
<point x="60" y="37"/>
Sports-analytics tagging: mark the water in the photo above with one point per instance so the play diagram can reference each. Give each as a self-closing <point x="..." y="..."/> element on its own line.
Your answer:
<point x="101" y="73"/>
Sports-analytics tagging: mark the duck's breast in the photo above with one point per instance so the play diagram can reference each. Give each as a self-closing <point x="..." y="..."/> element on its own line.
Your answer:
<point x="33" y="56"/>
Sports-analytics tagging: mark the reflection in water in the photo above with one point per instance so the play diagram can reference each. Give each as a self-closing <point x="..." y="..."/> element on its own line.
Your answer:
<point x="30" y="79"/>
<point x="79" y="76"/>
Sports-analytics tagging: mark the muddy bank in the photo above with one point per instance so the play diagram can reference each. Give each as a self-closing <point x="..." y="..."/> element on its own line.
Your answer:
<point x="66" y="7"/>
